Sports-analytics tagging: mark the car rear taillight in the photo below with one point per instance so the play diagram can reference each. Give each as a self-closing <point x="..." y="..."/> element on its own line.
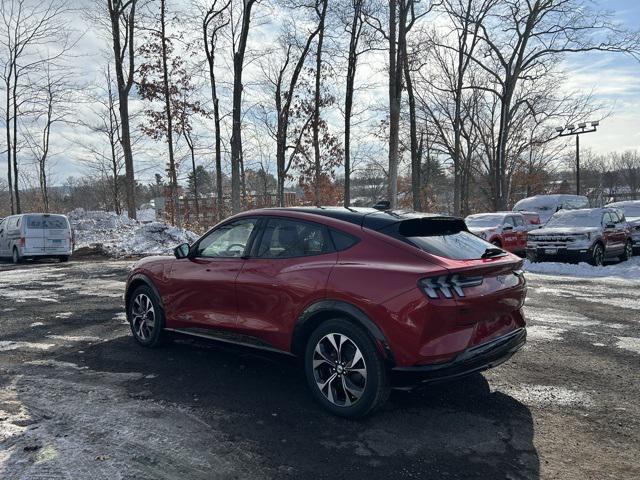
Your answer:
<point x="447" y="285"/>
<point x="22" y="242"/>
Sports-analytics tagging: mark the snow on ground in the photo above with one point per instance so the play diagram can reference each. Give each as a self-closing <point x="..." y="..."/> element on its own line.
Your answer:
<point x="118" y="235"/>
<point x="627" y="270"/>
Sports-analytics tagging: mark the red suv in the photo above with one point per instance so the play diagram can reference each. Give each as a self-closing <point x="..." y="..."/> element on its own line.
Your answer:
<point x="506" y="230"/>
<point x="368" y="299"/>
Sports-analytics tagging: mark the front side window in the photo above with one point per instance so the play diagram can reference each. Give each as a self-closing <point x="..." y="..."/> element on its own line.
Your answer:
<point x="227" y="241"/>
<point x="289" y="238"/>
<point x="519" y="221"/>
<point x="508" y="222"/>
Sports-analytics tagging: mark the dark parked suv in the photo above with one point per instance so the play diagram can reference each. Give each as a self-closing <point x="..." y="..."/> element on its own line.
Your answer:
<point x="368" y="299"/>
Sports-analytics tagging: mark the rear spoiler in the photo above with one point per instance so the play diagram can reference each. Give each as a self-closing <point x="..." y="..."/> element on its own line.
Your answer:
<point x="426" y="227"/>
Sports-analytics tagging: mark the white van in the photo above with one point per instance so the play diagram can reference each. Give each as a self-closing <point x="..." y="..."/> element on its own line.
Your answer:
<point x="35" y="235"/>
<point x="546" y="205"/>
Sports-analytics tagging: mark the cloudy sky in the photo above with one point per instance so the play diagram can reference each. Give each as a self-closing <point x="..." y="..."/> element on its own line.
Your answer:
<point x="613" y="79"/>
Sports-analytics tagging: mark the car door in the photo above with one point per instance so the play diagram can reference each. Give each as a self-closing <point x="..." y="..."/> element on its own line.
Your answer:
<point x="620" y="229"/>
<point x="521" y="233"/>
<point x="609" y="233"/>
<point x="509" y="235"/>
<point x="286" y="271"/>
<point x="203" y="285"/>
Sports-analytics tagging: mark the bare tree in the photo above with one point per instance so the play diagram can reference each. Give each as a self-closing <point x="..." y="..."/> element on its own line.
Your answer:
<point x="122" y="15"/>
<point x="213" y="21"/>
<point x="522" y="40"/>
<point x="283" y="77"/>
<point x="239" y="50"/>
<point x="28" y="26"/>
<point x="49" y="106"/>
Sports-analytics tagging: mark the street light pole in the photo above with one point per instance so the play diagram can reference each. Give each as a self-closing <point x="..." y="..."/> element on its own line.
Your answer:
<point x="577" y="131"/>
<point x="577" y="164"/>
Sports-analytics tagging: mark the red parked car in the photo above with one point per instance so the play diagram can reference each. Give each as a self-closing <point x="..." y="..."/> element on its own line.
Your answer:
<point x="369" y="299"/>
<point x="506" y="230"/>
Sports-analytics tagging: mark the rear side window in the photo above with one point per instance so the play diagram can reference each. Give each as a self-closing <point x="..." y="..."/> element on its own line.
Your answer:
<point x="442" y="236"/>
<point x="342" y="240"/>
<point x="519" y="221"/>
<point x="289" y="238"/>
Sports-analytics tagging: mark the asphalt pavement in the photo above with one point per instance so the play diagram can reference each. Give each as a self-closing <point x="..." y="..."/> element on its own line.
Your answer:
<point x="79" y="399"/>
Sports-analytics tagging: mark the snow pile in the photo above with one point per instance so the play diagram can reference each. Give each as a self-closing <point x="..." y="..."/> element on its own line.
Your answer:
<point x="629" y="269"/>
<point x="118" y="235"/>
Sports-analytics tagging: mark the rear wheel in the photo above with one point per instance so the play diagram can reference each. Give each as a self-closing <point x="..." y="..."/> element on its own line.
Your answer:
<point x="146" y="317"/>
<point x="15" y="255"/>
<point x="597" y="255"/>
<point x="64" y="258"/>
<point x="344" y="370"/>
<point x="628" y="251"/>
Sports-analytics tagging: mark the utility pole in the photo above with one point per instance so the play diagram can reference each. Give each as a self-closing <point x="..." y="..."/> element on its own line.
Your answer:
<point x="577" y="131"/>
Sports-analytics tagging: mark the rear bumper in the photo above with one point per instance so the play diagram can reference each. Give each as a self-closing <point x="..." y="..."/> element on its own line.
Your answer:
<point x="475" y="359"/>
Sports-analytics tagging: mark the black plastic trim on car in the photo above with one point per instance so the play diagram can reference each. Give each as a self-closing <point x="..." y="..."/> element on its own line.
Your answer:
<point x="141" y="277"/>
<point x="348" y="309"/>
<point x="472" y="360"/>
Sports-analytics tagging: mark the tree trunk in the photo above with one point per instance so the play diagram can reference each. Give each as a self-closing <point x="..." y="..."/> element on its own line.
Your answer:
<point x="394" y="106"/>
<point x="16" y="183"/>
<point x="416" y="181"/>
<point x="348" y="99"/>
<point x="316" y="109"/>
<point x="124" y="85"/>
<point x="236" y="129"/>
<point x="173" y="177"/>
<point x="8" y="130"/>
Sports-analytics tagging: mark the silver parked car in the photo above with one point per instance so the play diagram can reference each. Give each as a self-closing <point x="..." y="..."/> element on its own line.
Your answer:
<point x="590" y="234"/>
<point x="631" y="209"/>
<point x="35" y="235"/>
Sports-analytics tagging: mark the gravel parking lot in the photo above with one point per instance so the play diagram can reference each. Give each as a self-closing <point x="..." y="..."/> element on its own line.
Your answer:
<point x="79" y="399"/>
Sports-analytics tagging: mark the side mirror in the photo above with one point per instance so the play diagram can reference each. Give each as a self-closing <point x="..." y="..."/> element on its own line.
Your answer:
<point x="507" y="227"/>
<point x="182" y="251"/>
<point x="611" y="225"/>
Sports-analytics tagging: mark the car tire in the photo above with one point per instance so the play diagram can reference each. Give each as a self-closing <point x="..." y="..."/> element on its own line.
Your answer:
<point x="15" y="256"/>
<point x="597" y="255"/>
<point x="628" y="251"/>
<point x="63" y="258"/>
<point x="344" y="352"/>
<point x="146" y="317"/>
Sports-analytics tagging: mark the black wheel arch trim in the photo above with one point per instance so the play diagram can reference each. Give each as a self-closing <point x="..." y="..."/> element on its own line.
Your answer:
<point x="346" y="308"/>
<point x="137" y="279"/>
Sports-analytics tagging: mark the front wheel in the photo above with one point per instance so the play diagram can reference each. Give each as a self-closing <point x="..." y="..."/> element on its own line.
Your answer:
<point x="628" y="251"/>
<point x="597" y="255"/>
<point x="146" y="317"/>
<point x="344" y="370"/>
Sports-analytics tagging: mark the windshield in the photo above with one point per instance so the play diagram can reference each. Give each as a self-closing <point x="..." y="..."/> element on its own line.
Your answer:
<point x="576" y="218"/>
<point x="484" y="221"/>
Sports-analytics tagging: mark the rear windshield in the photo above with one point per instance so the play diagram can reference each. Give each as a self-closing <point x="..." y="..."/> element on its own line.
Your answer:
<point x="46" y="222"/>
<point x="441" y="236"/>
